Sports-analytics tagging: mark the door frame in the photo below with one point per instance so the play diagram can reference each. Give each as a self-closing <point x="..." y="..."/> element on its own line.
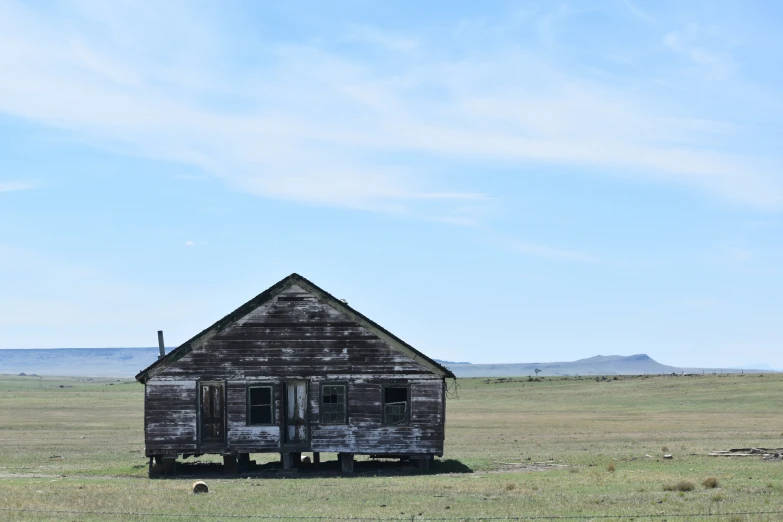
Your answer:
<point x="199" y="426"/>
<point x="304" y="444"/>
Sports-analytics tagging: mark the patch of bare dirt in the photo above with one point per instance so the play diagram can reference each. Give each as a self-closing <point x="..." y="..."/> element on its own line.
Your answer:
<point x="527" y="467"/>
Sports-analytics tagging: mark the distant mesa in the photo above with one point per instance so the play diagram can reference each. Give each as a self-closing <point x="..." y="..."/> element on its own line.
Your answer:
<point x="636" y="364"/>
<point x="76" y="362"/>
<point x="126" y="362"/>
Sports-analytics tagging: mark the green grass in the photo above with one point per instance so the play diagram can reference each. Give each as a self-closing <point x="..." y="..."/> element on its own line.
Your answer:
<point x="497" y="429"/>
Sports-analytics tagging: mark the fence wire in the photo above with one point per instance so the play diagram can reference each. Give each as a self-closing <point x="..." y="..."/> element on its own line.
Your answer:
<point x="412" y="518"/>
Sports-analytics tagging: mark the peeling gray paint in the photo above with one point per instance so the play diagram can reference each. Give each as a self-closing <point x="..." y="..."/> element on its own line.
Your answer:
<point x="296" y="335"/>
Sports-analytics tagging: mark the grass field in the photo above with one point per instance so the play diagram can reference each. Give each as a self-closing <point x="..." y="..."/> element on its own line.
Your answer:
<point x="559" y="447"/>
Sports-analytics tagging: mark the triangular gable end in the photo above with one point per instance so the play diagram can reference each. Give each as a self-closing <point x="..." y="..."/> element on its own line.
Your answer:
<point x="269" y="294"/>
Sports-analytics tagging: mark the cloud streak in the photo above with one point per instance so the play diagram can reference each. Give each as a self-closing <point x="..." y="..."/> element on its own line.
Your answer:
<point x="313" y="124"/>
<point x="549" y="252"/>
<point x="11" y="186"/>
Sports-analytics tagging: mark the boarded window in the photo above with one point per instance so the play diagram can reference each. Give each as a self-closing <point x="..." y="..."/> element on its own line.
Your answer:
<point x="260" y="409"/>
<point x="333" y="404"/>
<point x="396" y="405"/>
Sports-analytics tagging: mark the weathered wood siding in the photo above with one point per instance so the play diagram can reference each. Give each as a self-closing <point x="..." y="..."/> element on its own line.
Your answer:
<point x="365" y="432"/>
<point x="297" y="336"/>
<point x="250" y="439"/>
<point x="170" y="417"/>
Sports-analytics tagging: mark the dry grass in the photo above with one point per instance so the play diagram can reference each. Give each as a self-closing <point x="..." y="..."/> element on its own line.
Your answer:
<point x="710" y="483"/>
<point x="583" y="424"/>
<point x="682" y="485"/>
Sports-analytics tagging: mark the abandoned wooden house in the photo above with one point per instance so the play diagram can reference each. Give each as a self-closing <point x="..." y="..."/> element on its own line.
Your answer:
<point x="293" y="370"/>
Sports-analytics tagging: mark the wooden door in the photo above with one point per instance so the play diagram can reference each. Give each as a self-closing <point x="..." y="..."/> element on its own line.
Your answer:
<point x="296" y="412"/>
<point x="213" y="413"/>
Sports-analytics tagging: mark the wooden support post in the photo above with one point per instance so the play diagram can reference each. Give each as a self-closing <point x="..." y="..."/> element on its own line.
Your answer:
<point x="243" y="462"/>
<point x="169" y="466"/>
<point x="423" y="463"/>
<point x="229" y="464"/>
<point x="316" y="457"/>
<point x="346" y="463"/>
<point x="288" y="461"/>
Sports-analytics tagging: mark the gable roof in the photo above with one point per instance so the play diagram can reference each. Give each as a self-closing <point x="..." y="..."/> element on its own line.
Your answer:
<point x="267" y="295"/>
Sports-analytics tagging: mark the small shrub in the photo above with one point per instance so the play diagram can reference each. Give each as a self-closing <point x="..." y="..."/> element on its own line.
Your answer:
<point x="717" y="497"/>
<point x="710" y="483"/>
<point x="665" y="449"/>
<point x="511" y="487"/>
<point x="610" y="467"/>
<point x="683" y="485"/>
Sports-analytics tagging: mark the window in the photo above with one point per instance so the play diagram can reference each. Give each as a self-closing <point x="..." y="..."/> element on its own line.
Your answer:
<point x="260" y="405"/>
<point x="396" y="405"/>
<point x="333" y="404"/>
<point x="212" y="412"/>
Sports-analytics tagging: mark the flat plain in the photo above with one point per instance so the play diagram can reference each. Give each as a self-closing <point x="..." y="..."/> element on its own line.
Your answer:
<point x="72" y="449"/>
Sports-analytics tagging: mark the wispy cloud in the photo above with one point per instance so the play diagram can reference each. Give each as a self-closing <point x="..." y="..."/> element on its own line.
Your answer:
<point x="741" y="254"/>
<point x="10" y="186"/>
<point x="689" y="42"/>
<point x="384" y="39"/>
<point x="705" y="304"/>
<point x="313" y="124"/>
<point x="549" y="252"/>
<point x="638" y="11"/>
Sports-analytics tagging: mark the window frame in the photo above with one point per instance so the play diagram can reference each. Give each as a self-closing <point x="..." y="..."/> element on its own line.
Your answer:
<point x="272" y="405"/>
<point x="344" y="384"/>
<point x="407" y="408"/>
<point x="200" y="414"/>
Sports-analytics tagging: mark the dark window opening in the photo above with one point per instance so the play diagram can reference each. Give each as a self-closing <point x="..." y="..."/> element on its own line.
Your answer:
<point x="395" y="405"/>
<point x="333" y="404"/>
<point x="211" y="413"/>
<point x="260" y="405"/>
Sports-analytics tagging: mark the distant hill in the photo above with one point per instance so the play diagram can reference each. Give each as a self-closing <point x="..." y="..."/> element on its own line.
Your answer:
<point x="86" y="362"/>
<point x="127" y="362"/>
<point x="638" y="364"/>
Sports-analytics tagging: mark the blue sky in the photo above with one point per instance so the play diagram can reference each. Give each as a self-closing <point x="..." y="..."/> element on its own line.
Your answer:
<point x="492" y="181"/>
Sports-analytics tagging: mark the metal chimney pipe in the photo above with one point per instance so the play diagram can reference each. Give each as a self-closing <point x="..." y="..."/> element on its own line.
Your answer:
<point x="161" y="346"/>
